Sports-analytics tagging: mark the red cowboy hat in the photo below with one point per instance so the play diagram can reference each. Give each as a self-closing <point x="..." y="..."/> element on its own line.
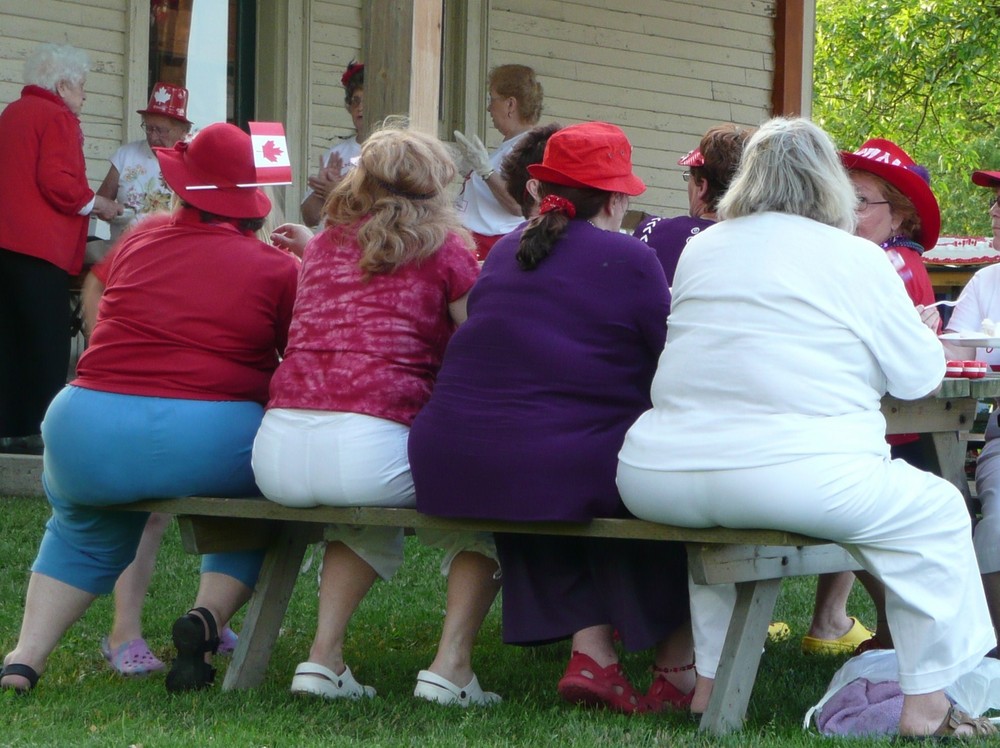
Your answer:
<point x="213" y="172"/>
<point x="885" y="159"/>
<point x="168" y="100"/>
<point x="986" y="178"/>
<point x="592" y="154"/>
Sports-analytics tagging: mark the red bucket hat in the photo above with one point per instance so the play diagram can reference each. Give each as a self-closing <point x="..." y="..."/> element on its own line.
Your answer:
<point x="168" y="100"/>
<point x="212" y="172"/>
<point x="592" y="154"/>
<point x="885" y="159"/>
<point x="986" y="178"/>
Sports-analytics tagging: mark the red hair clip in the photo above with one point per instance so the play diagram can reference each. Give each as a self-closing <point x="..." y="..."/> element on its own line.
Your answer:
<point x="557" y="202"/>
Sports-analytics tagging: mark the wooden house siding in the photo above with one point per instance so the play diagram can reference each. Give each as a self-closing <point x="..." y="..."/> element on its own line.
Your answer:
<point x="663" y="71"/>
<point x="336" y="34"/>
<point x="99" y="28"/>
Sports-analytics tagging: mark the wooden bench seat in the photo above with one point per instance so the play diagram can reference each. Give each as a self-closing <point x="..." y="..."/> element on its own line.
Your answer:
<point x="755" y="560"/>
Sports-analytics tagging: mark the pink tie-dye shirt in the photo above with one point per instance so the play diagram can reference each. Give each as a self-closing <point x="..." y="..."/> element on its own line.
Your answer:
<point x="370" y="346"/>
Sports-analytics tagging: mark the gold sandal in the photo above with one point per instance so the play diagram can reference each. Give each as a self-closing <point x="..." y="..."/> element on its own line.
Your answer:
<point x="956" y="718"/>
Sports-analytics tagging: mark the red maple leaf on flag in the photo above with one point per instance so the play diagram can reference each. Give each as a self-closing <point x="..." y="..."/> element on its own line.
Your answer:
<point x="271" y="151"/>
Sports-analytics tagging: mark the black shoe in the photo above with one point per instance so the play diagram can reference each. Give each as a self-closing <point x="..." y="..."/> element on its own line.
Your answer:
<point x="195" y="633"/>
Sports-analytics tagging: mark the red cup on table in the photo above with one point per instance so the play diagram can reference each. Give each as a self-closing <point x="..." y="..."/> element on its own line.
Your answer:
<point x="974" y="369"/>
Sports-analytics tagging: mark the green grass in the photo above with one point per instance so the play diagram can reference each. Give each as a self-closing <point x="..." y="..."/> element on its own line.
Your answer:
<point x="80" y="702"/>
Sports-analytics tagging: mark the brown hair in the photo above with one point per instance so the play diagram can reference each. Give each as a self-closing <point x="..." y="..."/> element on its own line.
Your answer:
<point x="721" y="147"/>
<point x="518" y="81"/>
<point x="397" y="197"/>
<point x="543" y="231"/>
<point x="514" y="168"/>
<point x="909" y="219"/>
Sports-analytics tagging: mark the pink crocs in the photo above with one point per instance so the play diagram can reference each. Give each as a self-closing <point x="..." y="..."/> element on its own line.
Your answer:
<point x="227" y="641"/>
<point x="131" y="658"/>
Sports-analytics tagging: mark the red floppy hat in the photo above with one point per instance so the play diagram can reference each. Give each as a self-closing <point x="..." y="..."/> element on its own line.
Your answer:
<point x="168" y="100"/>
<point x="213" y="172"/>
<point x="592" y="154"/>
<point x="986" y="178"/>
<point x="885" y="159"/>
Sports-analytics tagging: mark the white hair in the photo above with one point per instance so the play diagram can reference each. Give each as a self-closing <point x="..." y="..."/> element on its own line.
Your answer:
<point x="791" y="165"/>
<point x="48" y="64"/>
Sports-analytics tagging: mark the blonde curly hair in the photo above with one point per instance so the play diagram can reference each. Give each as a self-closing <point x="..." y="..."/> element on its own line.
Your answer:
<point x="397" y="196"/>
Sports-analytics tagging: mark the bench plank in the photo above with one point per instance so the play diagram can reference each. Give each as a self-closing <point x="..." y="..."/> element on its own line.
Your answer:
<point x="721" y="564"/>
<point x="261" y="509"/>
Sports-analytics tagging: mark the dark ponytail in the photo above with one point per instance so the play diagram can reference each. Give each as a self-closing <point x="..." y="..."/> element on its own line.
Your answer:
<point x="543" y="231"/>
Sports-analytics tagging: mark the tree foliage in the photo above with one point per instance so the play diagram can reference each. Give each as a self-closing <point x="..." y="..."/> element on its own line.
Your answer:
<point x="924" y="74"/>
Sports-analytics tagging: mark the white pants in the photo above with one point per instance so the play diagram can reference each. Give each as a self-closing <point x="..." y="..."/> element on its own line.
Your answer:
<point x="987" y="534"/>
<point x="305" y="458"/>
<point x="909" y="528"/>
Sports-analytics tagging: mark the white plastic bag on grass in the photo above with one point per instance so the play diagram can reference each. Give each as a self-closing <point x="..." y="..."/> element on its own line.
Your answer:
<point x="975" y="692"/>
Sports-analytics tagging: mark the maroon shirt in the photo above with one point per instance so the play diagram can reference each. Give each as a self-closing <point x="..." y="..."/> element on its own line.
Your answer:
<point x="371" y="346"/>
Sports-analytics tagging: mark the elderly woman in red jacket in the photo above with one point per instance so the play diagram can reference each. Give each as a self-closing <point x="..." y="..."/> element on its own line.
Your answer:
<point x="45" y="202"/>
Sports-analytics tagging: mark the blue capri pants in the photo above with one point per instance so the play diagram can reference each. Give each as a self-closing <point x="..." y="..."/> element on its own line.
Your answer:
<point x="103" y="449"/>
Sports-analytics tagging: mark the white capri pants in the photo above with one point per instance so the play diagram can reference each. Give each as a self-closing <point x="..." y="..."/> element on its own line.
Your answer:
<point x="909" y="528"/>
<point x="306" y="458"/>
<point x="987" y="533"/>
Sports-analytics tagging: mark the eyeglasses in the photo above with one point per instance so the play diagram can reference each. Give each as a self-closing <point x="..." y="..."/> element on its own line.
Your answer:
<point x="153" y="130"/>
<point x="864" y="203"/>
<point x="686" y="176"/>
<point x="993" y="201"/>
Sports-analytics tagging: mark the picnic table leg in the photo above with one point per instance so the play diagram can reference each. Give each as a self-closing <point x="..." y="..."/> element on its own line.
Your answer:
<point x="267" y="606"/>
<point x="949" y="451"/>
<point x="740" y="656"/>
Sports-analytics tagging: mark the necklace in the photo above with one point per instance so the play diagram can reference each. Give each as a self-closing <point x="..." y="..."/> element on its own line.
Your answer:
<point x="902" y="241"/>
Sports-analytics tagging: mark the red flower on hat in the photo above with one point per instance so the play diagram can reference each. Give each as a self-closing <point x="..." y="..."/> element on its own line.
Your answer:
<point x="352" y="69"/>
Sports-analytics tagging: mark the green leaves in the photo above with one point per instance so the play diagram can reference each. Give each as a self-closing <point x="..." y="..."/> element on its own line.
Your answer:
<point x="922" y="73"/>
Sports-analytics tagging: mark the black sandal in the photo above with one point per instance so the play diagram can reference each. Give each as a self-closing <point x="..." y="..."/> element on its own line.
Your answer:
<point x="189" y="671"/>
<point x="25" y="671"/>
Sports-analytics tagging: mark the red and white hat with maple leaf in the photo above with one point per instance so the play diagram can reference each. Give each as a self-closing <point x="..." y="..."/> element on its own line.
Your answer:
<point x="168" y="100"/>
<point x="216" y="172"/>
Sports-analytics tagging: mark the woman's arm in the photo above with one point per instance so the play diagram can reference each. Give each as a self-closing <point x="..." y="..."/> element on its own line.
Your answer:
<point x="458" y="309"/>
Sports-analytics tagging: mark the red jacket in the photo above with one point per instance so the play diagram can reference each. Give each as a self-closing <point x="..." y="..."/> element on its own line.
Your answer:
<point x="43" y="180"/>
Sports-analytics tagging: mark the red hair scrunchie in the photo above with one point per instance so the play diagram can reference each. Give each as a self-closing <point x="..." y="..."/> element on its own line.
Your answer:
<point x="557" y="202"/>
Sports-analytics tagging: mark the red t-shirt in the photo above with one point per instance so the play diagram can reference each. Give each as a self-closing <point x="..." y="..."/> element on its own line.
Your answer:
<point x="191" y="310"/>
<point x="921" y="292"/>
<point x="370" y="346"/>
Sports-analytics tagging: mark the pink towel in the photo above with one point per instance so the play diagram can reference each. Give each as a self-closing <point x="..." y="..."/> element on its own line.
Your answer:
<point x="862" y="708"/>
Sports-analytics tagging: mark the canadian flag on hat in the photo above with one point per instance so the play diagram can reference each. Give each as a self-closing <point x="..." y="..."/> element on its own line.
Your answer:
<point x="270" y="153"/>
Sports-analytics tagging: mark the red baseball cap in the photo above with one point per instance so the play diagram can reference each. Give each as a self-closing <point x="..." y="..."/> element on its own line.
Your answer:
<point x="885" y="159"/>
<point x="210" y="171"/>
<point x="986" y="178"/>
<point x="168" y="100"/>
<point x="591" y="154"/>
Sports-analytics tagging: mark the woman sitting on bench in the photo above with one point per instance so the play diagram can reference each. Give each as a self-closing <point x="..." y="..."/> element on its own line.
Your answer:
<point x="166" y="403"/>
<point x="382" y="288"/>
<point x="766" y="414"/>
<point x="534" y="397"/>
